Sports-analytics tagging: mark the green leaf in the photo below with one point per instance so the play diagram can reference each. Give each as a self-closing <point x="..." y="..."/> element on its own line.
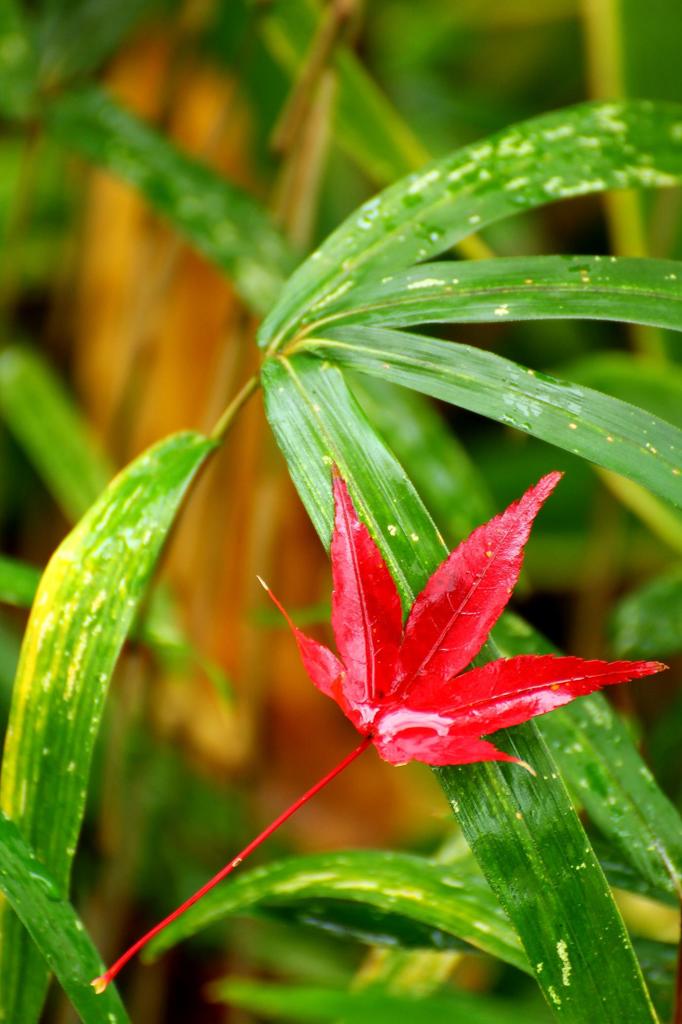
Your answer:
<point x="656" y="387"/>
<point x="622" y="875"/>
<point x="576" y="151"/>
<point x="317" y="422"/>
<point x="75" y="471"/>
<point x="57" y="441"/>
<point x="55" y="929"/>
<point x="613" y="434"/>
<point x="224" y="223"/>
<point x="18" y="582"/>
<point x="303" y="1003"/>
<point x="607" y="774"/>
<point x="442" y="903"/>
<point x="438" y="465"/>
<point x="542" y="853"/>
<point x="84" y="608"/>
<point x="523" y="831"/>
<point x="649" y="621"/>
<point x="642" y="291"/>
<point x="360" y="922"/>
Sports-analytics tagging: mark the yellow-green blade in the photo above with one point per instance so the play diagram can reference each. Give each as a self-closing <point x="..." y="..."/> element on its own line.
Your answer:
<point x="84" y="608"/>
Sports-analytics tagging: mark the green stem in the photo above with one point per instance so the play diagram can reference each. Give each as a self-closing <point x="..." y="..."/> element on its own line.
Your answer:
<point x="240" y="399"/>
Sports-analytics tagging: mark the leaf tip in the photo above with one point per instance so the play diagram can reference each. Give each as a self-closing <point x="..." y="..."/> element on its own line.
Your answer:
<point x="548" y="482"/>
<point x="339" y="485"/>
<point x="637" y="669"/>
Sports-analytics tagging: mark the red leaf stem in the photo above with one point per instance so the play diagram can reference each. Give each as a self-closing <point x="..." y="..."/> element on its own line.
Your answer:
<point x="99" y="984"/>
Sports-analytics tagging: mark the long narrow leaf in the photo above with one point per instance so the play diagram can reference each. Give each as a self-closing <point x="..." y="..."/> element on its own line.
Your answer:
<point x="55" y="929"/>
<point x="37" y="410"/>
<point x="584" y="149"/>
<point x="456" y="906"/>
<point x="224" y="223"/>
<point x="607" y="774"/>
<point x="298" y="1003"/>
<point x="311" y="411"/>
<point x="613" y="434"/>
<point x="523" y="831"/>
<point x="440" y="468"/>
<point x="643" y="291"/>
<point x="82" y="613"/>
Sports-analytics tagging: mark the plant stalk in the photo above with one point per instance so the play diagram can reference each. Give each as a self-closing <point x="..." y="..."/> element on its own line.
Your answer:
<point x="240" y="399"/>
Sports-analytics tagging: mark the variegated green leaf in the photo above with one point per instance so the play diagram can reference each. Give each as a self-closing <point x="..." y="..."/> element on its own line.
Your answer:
<point x="575" y="151"/>
<point x="443" y="905"/>
<point x="55" y="929"/>
<point x="84" y="608"/>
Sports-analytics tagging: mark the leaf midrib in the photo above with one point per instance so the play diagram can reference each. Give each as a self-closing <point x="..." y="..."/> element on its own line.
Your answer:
<point x="370" y="658"/>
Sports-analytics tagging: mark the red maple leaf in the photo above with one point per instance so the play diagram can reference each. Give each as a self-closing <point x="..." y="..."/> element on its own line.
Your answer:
<point x="406" y="688"/>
